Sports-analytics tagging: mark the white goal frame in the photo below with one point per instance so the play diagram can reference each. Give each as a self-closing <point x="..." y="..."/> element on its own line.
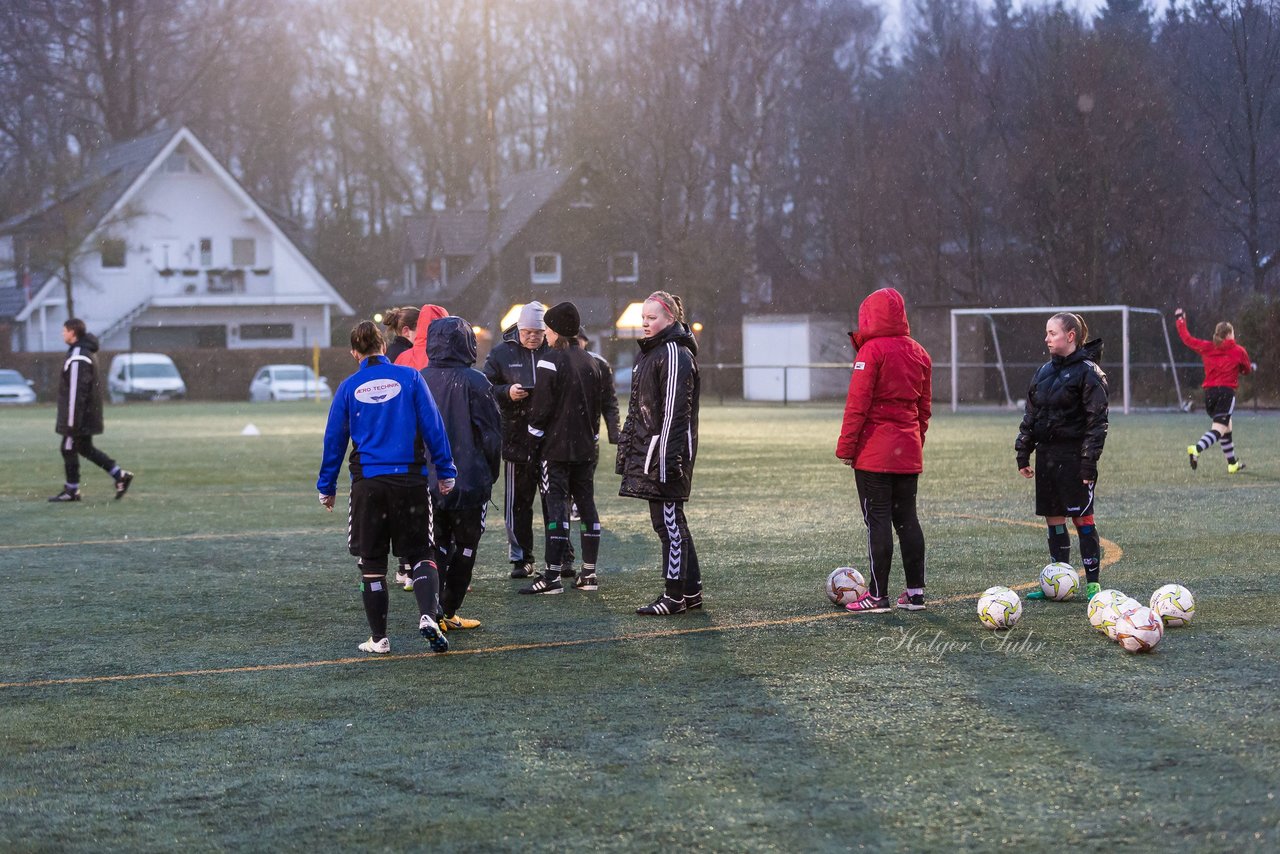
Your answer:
<point x="1123" y="310"/>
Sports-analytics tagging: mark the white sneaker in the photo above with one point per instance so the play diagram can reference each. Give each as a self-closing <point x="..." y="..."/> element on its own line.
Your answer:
<point x="381" y="647"/>
<point x="404" y="579"/>
<point x="431" y="633"/>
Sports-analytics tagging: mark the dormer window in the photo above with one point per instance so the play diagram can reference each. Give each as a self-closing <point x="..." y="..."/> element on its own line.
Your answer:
<point x="624" y="267"/>
<point x="544" y="268"/>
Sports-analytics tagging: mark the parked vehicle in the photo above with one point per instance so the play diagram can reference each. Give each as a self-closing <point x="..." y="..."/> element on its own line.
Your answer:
<point x="288" y="382"/>
<point x="144" y="376"/>
<point x="15" y="388"/>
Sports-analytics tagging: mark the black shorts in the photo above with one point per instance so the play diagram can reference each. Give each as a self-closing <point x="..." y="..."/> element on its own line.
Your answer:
<point x="389" y="514"/>
<point x="1059" y="488"/>
<point x="1220" y="402"/>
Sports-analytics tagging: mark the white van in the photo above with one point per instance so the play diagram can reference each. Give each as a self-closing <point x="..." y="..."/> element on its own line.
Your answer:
<point x="144" y="376"/>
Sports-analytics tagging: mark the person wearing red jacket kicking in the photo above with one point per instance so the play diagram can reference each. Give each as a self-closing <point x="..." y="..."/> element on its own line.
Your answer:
<point x="886" y="416"/>
<point x="1224" y="362"/>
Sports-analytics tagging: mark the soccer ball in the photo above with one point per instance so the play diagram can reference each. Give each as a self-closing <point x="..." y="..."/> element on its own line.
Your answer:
<point x="1000" y="610"/>
<point x="1123" y="605"/>
<point x="1059" y="581"/>
<point x="844" y="585"/>
<point x="1175" y="604"/>
<point x="1139" y="630"/>
<point x="1102" y="609"/>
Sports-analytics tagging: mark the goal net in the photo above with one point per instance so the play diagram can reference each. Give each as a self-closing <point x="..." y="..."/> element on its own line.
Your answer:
<point x="995" y="351"/>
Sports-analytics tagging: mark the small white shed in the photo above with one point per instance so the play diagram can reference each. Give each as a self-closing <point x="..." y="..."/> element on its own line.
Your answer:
<point x="794" y="357"/>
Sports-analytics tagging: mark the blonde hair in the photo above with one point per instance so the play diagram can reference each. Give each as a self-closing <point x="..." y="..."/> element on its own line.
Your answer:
<point x="1073" y="323"/>
<point x="1222" y="332"/>
<point x="671" y="304"/>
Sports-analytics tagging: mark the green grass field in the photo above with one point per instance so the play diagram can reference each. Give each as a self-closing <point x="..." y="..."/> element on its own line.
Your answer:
<point x="180" y="668"/>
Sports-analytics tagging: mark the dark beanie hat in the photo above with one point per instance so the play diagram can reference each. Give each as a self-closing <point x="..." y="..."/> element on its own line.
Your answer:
<point x="563" y="319"/>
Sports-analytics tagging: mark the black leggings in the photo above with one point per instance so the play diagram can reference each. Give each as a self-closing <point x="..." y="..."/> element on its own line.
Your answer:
<point x="457" y="534"/>
<point x="75" y="447"/>
<point x="888" y="504"/>
<point x="679" y="557"/>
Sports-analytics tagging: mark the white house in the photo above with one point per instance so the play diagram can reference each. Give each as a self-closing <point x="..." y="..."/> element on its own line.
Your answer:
<point x="168" y="251"/>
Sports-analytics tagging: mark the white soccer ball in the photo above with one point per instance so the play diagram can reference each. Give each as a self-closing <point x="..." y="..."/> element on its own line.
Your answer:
<point x="1059" y="581"/>
<point x="1102" y="609"/>
<point x="1175" y="605"/>
<point x="844" y="585"/>
<point x="1000" y="610"/>
<point x="1139" y="630"/>
<point x="1123" y="605"/>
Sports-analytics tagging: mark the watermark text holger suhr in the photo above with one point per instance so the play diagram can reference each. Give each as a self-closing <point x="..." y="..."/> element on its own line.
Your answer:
<point x="924" y="642"/>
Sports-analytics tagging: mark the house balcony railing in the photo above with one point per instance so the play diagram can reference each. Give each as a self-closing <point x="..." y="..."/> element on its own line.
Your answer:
<point x="214" y="281"/>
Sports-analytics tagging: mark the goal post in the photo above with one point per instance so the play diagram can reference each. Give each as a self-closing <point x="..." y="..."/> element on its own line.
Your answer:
<point x="1124" y="312"/>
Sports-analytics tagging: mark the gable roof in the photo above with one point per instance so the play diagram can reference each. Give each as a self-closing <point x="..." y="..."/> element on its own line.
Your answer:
<point x="466" y="231"/>
<point x="111" y="178"/>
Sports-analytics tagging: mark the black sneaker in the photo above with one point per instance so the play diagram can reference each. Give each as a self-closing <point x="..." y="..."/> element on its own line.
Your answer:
<point x="122" y="483"/>
<point x="522" y="570"/>
<point x="65" y="495"/>
<point x="586" y="582"/>
<point x="663" y="606"/>
<point x="909" y="602"/>
<point x="545" y="586"/>
<point x="566" y="570"/>
<point x="693" y="601"/>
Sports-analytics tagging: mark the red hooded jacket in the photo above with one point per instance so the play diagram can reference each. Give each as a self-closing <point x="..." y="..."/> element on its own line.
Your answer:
<point x="1223" y="363"/>
<point x="889" y="404"/>
<point x="416" y="356"/>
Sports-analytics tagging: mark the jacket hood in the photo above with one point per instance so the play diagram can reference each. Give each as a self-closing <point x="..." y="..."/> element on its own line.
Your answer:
<point x="678" y="332"/>
<point x="417" y="357"/>
<point x="512" y="334"/>
<point x="883" y="313"/>
<point x="1092" y="350"/>
<point x="452" y="344"/>
<point x="88" y="342"/>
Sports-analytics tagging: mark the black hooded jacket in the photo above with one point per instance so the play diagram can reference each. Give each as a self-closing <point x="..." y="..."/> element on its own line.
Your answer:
<point x="660" y="437"/>
<point x="564" y="422"/>
<point x="509" y="363"/>
<point x="79" y="391"/>
<point x="1066" y="411"/>
<point x="462" y="395"/>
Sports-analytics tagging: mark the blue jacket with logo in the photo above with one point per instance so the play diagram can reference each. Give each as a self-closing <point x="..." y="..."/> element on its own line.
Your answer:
<point x="386" y="413"/>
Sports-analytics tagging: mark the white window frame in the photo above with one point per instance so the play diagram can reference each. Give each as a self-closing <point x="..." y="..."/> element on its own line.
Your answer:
<point x="545" y="278"/>
<point x="102" y="255"/>
<point x="635" y="267"/>
<point x="253" y="245"/>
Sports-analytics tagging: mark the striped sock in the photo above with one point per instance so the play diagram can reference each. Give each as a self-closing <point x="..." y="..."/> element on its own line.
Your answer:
<point x="1206" y="440"/>
<point x="1228" y="448"/>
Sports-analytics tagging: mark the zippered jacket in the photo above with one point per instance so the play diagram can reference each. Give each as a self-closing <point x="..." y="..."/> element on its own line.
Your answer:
<point x="887" y="411"/>
<point x="659" y="440"/>
<point x="416" y="356"/>
<point x="564" y="421"/>
<point x="508" y="364"/>
<point x="1223" y="363"/>
<point x="1066" y="409"/>
<point x="79" y="391"/>
<point x="386" y="413"/>
<point x="464" y="398"/>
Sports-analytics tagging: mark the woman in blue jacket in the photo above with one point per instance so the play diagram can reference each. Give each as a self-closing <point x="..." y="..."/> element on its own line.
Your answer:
<point x="386" y="414"/>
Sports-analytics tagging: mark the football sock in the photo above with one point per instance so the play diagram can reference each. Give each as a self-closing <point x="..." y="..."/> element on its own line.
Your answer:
<point x="1090" y="550"/>
<point x="373" y="591"/>
<point x="1060" y="544"/>
<point x="426" y="588"/>
<point x="456" y="578"/>
<point x="1206" y="440"/>
<point x="1228" y="448"/>
<point x="915" y="591"/>
<point x="115" y="471"/>
<point x="588" y="569"/>
<point x="72" y="487"/>
<point x="590" y="543"/>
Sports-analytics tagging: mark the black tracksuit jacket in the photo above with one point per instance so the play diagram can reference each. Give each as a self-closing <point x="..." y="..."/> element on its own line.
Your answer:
<point x="565" y="417"/>
<point x="1066" y="410"/>
<point x="508" y="364"/>
<point x="660" y="436"/>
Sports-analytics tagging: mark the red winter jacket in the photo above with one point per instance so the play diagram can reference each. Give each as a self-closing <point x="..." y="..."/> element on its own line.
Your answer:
<point x="888" y="409"/>
<point x="1223" y="363"/>
<point x="416" y="356"/>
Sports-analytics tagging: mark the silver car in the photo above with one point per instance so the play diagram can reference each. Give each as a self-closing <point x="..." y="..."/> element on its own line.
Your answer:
<point x="288" y="382"/>
<point x="15" y="388"/>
